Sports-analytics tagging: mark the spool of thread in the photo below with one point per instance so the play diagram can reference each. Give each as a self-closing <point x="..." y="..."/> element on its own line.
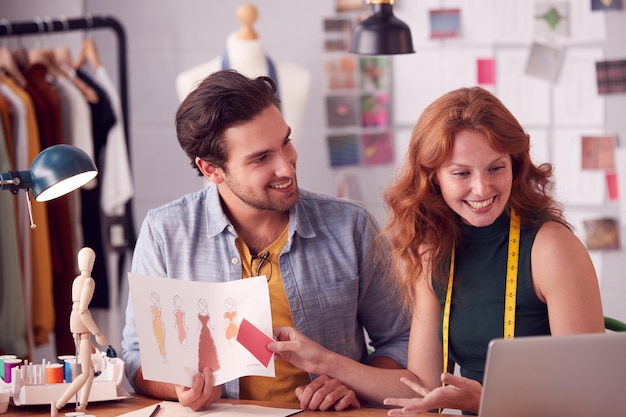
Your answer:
<point x="2" y="359"/>
<point x="63" y="359"/>
<point x="70" y="369"/>
<point x="9" y="364"/>
<point x="54" y="373"/>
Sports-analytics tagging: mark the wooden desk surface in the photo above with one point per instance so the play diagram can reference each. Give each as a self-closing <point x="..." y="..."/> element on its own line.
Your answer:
<point x="115" y="408"/>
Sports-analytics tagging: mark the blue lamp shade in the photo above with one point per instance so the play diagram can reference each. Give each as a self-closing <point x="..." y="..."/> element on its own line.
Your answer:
<point x="56" y="171"/>
<point x="382" y="33"/>
<point x="59" y="169"/>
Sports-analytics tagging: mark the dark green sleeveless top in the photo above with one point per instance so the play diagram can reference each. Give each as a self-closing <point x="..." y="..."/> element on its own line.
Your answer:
<point x="477" y="308"/>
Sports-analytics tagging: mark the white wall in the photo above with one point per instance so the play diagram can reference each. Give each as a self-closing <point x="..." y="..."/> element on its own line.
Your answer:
<point x="167" y="37"/>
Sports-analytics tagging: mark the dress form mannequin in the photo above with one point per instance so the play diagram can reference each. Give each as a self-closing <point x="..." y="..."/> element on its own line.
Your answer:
<point x="247" y="55"/>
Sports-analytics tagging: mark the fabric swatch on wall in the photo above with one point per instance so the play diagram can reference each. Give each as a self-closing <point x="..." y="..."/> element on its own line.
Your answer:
<point x="445" y="23"/>
<point x="377" y="148"/>
<point x="551" y="18"/>
<point x="343" y="150"/>
<point x="600" y="5"/>
<point x="544" y="61"/>
<point x="611" y="76"/>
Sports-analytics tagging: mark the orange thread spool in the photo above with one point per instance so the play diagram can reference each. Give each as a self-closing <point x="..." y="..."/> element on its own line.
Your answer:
<point x="54" y="373"/>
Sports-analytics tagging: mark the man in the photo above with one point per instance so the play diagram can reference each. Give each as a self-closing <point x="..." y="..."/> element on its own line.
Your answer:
<point x="327" y="269"/>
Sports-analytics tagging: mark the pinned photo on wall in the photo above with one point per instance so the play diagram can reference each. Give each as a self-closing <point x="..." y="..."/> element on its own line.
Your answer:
<point x="343" y="150"/>
<point x="612" y="186"/>
<point x="601" y="234"/>
<point x="375" y="110"/>
<point x="445" y="23"/>
<point x="341" y="72"/>
<point x="349" y="5"/>
<point x="375" y="73"/>
<point x="377" y="148"/>
<point x="337" y="34"/>
<point x="342" y="111"/>
<point x="486" y="71"/>
<point x="598" y="152"/>
<point x="600" y="5"/>
<point x="611" y="76"/>
<point x="551" y="18"/>
<point x="544" y="61"/>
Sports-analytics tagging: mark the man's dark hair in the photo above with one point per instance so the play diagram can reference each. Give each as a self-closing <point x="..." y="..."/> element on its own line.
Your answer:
<point x="222" y="100"/>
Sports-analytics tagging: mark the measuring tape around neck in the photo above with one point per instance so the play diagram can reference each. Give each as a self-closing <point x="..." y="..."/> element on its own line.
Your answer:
<point x="510" y="291"/>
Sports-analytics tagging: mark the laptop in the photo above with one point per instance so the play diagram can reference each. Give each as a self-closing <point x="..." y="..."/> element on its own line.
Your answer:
<point x="580" y="375"/>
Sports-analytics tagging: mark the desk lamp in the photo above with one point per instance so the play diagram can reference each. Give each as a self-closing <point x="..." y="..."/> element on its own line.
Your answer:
<point x="56" y="171"/>
<point x="382" y="33"/>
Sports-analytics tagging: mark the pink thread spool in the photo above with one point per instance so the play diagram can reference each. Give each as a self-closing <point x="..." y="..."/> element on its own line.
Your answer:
<point x="9" y="364"/>
<point x="2" y="359"/>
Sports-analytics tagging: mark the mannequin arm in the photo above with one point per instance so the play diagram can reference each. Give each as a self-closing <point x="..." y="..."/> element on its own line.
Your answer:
<point x="86" y="295"/>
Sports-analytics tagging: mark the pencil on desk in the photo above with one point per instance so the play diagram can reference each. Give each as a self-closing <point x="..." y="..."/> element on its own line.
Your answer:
<point x="155" y="411"/>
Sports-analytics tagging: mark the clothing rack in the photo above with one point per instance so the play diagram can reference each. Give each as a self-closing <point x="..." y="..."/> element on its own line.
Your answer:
<point x="46" y="25"/>
<point x="41" y="26"/>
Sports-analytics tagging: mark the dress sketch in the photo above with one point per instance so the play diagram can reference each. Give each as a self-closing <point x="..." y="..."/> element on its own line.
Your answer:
<point x="157" y="325"/>
<point x="230" y="319"/>
<point x="179" y="320"/>
<point x="207" y="352"/>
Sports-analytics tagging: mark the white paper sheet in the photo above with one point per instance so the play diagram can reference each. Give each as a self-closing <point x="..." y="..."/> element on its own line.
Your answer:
<point x="421" y="78"/>
<point x="573" y="184"/>
<point x="576" y="98"/>
<point x="528" y="98"/>
<point x="174" y="409"/>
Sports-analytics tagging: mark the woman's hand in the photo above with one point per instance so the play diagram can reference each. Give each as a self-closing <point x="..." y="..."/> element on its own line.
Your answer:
<point x="300" y="351"/>
<point x="324" y="392"/>
<point x="202" y="392"/>
<point x="458" y="393"/>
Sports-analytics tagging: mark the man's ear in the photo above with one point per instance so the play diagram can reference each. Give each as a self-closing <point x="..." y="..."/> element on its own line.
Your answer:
<point x="210" y="171"/>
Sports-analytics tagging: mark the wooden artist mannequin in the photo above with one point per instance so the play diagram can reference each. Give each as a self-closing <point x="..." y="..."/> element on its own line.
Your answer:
<point x="82" y="327"/>
<point x="247" y="55"/>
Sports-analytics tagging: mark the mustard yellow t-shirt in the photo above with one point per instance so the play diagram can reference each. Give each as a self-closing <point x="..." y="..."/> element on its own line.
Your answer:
<point x="288" y="377"/>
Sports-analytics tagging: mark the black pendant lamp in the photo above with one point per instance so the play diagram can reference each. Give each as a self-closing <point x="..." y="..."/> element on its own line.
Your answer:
<point x="382" y="33"/>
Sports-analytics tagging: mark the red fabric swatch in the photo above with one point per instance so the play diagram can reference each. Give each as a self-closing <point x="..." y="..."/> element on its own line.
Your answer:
<point x="255" y="341"/>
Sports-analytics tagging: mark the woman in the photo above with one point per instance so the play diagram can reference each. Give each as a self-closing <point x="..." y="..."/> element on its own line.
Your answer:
<point x="469" y="211"/>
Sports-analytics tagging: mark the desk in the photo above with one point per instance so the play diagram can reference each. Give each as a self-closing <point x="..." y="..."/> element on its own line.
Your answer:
<point x="115" y="408"/>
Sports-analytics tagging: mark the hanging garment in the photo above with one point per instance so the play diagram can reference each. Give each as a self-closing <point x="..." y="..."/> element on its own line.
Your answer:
<point x="117" y="186"/>
<point x="76" y="130"/>
<point x="102" y="120"/>
<point x="36" y="253"/>
<point x="12" y="319"/>
<point x="59" y="219"/>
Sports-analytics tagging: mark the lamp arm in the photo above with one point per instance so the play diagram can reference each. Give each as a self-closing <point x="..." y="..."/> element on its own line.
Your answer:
<point x="15" y="181"/>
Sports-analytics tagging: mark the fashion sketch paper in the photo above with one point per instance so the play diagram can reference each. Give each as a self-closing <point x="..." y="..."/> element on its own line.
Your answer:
<point x="219" y="409"/>
<point x="185" y="326"/>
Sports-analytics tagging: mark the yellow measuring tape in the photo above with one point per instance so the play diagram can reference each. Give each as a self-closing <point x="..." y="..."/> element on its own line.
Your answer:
<point x="510" y="292"/>
<point x="511" y="276"/>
